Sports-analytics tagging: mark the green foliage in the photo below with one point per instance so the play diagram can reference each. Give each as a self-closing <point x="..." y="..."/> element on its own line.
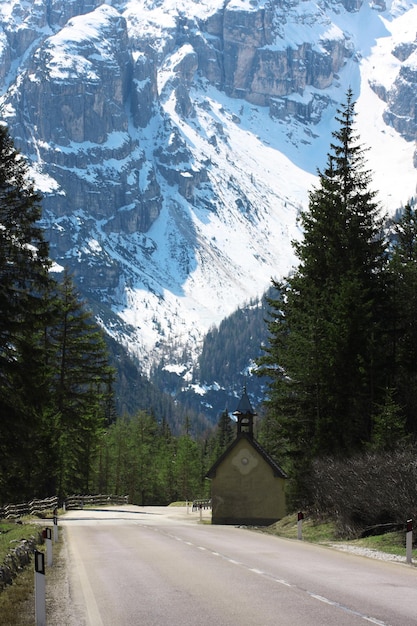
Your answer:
<point x="188" y="468"/>
<point x="55" y="383"/>
<point x="315" y="529"/>
<point x="82" y="387"/>
<point x="140" y="457"/>
<point x="326" y="350"/>
<point x="389" y="425"/>
<point x="24" y="310"/>
<point x="220" y="439"/>
<point x="225" y="433"/>
<point x="403" y="319"/>
<point x="232" y="346"/>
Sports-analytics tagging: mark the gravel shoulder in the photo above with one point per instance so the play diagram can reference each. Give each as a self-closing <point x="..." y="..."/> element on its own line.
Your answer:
<point x="61" y="607"/>
<point x="367" y="552"/>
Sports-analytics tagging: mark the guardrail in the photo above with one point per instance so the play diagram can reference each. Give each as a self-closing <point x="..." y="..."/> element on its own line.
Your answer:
<point x="79" y="501"/>
<point x="204" y="503"/>
<point x="28" y="508"/>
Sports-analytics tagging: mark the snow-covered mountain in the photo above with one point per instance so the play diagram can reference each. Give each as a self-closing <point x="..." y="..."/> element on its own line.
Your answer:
<point x="175" y="142"/>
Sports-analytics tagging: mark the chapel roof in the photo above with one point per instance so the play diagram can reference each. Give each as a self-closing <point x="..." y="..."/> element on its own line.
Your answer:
<point x="278" y="471"/>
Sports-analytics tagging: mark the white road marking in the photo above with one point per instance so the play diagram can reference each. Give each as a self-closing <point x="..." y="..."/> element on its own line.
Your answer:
<point x="283" y="582"/>
<point x="280" y="581"/>
<point x="346" y="609"/>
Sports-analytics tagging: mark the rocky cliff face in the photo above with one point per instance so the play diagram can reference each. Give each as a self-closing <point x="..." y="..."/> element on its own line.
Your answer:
<point x="75" y="91"/>
<point x="400" y="93"/>
<point x="90" y="81"/>
<point x="152" y="131"/>
<point x="259" y="65"/>
<point x="85" y="76"/>
<point x="401" y="98"/>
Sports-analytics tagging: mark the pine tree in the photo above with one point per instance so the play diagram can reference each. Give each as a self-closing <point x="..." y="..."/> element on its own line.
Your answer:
<point x="221" y="437"/>
<point x="218" y="441"/>
<point x="188" y="465"/>
<point x="164" y="465"/>
<point x="326" y="351"/>
<point x="403" y="291"/>
<point x="55" y="383"/>
<point x="25" y="402"/>
<point x="82" y="390"/>
<point x="389" y="425"/>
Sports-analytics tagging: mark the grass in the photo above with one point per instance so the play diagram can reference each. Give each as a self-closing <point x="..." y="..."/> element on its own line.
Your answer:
<point x="391" y="543"/>
<point x="313" y="530"/>
<point x="326" y="532"/>
<point x="11" y="534"/>
<point x="17" y="599"/>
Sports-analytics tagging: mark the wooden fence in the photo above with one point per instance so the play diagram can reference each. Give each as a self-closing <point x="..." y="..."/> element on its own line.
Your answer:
<point x="79" y="502"/>
<point x="28" y="508"/>
<point x="34" y="507"/>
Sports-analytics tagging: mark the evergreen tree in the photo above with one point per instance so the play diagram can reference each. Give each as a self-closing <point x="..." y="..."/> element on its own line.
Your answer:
<point x="143" y="469"/>
<point x="225" y="433"/>
<point x="140" y="458"/>
<point x="25" y="401"/>
<point x="188" y="466"/>
<point x="326" y="350"/>
<point x="389" y="427"/>
<point x="220" y="439"/>
<point x="164" y="465"/>
<point x="82" y="390"/>
<point x="403" y="291"/>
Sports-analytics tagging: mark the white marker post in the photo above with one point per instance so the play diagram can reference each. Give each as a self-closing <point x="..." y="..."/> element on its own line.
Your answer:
<point x="48" y="542"/>
<point x="40" y="587"/>
<point x="409" y="541"/>
<point x="300" y="518"/>
<point x="55" y="526"/>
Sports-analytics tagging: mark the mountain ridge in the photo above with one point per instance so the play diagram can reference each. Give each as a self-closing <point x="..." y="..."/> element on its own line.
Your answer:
<point x="175" y="143"/>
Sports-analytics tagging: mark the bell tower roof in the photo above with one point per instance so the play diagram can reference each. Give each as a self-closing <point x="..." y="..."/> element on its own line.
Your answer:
<point x="244" y="414"/>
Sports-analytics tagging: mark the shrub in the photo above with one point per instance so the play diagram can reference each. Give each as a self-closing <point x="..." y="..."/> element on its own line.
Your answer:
<point x="366" y="490"/>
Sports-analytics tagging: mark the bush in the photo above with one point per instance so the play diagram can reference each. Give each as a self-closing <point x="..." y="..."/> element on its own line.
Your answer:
<point x="366" y="490"/>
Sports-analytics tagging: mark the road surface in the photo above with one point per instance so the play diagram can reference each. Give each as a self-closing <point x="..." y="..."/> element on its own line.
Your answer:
<point x="159" y="566"/>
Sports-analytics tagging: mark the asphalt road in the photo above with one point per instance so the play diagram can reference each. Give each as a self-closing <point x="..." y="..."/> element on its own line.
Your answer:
<point x="154" y="566"/>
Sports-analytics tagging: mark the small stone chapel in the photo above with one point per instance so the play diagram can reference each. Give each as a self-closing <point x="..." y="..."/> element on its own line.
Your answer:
<point x="247" y="485"/>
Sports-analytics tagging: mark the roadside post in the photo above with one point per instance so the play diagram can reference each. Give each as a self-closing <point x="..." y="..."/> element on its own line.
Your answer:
<point x="55" y="525"/>
<point x="40" y="587"/>
<point x="201" y="511"/>
<point x="300" y="518"/>
<point x="409" y="541"/>
<point x="47" y="535"/>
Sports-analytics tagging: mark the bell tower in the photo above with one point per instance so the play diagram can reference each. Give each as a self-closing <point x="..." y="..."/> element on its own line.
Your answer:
<point x="244" y="414"/>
